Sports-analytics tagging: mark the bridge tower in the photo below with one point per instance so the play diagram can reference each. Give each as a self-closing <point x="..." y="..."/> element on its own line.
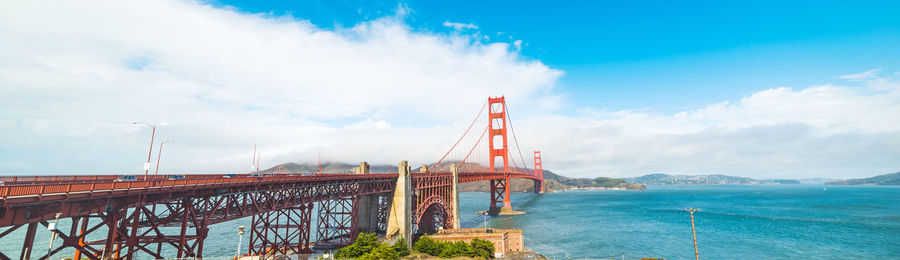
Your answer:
<point x="497" y="128"/>
<point x="538" y="172"/>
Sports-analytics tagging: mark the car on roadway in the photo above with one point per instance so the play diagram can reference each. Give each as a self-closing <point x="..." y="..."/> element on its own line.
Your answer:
<point x="126" y="178"/>
<point x="176" y="177"/>
<point x="229" y="176"/>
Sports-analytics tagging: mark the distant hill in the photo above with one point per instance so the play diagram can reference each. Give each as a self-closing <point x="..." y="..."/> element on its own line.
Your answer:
<point x="329" y="167"/>
<point x="552" y="181"/>
<point x="665" y="179"/>
<point x="816" y="180"/>
<point x="886" y="179"/>
<point x="599" y="182"/>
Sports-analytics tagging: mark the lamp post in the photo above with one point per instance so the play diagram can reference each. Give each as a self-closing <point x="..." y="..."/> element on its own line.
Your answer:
<point x="240" y="237"/>
<point x="252" y="158"/>
<point x="158" y="155"/>
<point x="52" y="228"/>
<point x="692" y="210"/>
<point x="152" y="135"/>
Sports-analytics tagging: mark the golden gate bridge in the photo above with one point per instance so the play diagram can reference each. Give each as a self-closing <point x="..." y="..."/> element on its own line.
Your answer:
<point x="137" y="217"/>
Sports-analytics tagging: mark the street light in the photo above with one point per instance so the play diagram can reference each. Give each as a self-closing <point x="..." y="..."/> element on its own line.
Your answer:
<point x="152" y="135"/>
<point x="252" y="158"/>
<point x="159" y="154"/>
<point x="52" y="228"/>
<point x="240" y="237"/>
<point x="692" y="210"/>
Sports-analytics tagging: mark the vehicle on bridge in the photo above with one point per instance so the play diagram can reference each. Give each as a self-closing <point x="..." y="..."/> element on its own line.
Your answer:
<point x="127" y="217"/>
<point x="126" y="178"/>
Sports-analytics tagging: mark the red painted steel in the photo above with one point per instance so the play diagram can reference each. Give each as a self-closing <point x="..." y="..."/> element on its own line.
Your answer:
<point x="538" y="172"/>
<point x="131" y="216"/>
<point x="281" y="232"/>
<point x="338" y="224"/>
<point x="497" y="127"/>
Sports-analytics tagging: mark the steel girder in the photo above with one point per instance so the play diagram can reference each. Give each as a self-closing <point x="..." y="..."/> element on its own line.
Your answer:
<point x="281" y="232"/>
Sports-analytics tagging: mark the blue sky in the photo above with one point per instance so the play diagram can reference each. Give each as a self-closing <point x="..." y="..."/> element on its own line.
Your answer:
<point x="664" y="56"/>
<point x="758" y="89"/>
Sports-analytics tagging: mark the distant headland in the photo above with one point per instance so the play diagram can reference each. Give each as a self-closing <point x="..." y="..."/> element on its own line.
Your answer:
<point x="884" y="179"/>
<point x="552" y="181"/>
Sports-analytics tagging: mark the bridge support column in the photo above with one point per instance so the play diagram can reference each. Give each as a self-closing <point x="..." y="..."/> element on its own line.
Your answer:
<point x="538" y="172"/>
<point x="500" y="195"/>
<point x="368" y="206"/>
<point x="281" y="232"/>
<point x="401" y="206"/>
<point x="338" y="222"/>
<point x="454" y="196"/>
<point x="29" y="241"/>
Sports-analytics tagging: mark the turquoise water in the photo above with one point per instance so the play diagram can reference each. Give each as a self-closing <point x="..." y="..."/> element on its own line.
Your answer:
<point x="762" y="221"/>
<point x="759" y="222"/>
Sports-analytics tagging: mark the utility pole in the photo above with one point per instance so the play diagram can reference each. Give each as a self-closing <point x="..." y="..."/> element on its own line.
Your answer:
<point x="693" y="230"/>
<point x="159" y="155"/>
<point x="240" y="237"/>
<point x="152" y="135"/>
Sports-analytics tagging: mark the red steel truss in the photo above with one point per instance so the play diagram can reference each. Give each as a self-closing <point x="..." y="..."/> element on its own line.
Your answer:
<point x="538" y="172"/>
<point x="338" y="223"/>
<point x="163" y="218"/>
<point x="281" y="232"/>
<point x="432" y="197"/>
<point x="133" y="216"/>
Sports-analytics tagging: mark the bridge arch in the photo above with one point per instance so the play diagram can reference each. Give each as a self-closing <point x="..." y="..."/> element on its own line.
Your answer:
<point x="431" y="213"/>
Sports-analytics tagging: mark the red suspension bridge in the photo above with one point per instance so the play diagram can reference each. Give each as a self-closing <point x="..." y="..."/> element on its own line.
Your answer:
<point x="162" y="217"/>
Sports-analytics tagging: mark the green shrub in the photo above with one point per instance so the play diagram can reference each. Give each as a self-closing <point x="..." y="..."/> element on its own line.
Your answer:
<point x="453" y="249"/>
<point x="401" y="248"/>
<point x="364" y="244"/>
<point x="429" y="246"/>
<point x="479" y="248"/>
<point x="381" y="252"/>
<point x="483" y="248"/>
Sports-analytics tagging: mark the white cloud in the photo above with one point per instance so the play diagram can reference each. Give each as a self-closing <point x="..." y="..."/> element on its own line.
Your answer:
<point x="75" y="76"/>
<point x="460" y="26"/>
<point x="831" y="131"/>
<point x="862" y="75"/>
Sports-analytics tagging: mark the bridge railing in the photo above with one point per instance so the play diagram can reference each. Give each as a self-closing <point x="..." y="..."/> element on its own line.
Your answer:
<point x="28" y="190"/>
<point x="47" y="178"/>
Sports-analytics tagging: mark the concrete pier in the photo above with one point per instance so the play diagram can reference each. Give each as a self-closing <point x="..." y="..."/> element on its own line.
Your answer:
<point x="368" y="205"/>
<point x="454" y="193"/>
<point x="401" y="206"/>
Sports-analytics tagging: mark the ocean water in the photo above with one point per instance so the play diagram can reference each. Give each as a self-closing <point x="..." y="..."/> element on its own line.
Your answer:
<point x="736" y="222"/>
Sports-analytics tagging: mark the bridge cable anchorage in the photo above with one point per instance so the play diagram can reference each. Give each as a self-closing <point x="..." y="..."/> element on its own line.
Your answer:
<point x="436" y="165"/>
<point x="515" y="139"/>
<point x="474" y="146"/>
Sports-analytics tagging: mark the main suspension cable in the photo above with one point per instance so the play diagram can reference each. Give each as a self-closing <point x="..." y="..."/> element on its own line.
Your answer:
<point x="474" y="146"/>
<point x="436" y="165"/>
<point x="518" y="148"/>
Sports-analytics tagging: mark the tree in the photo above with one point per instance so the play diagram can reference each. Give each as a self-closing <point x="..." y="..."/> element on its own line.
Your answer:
<point x="364" y="244"/>
<point x="381" y="252"/>
<point x="401" y="248"/>
<point x="429" y="246"/>
<point x="483" y="248"/>
<point x="453" y="249"/>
